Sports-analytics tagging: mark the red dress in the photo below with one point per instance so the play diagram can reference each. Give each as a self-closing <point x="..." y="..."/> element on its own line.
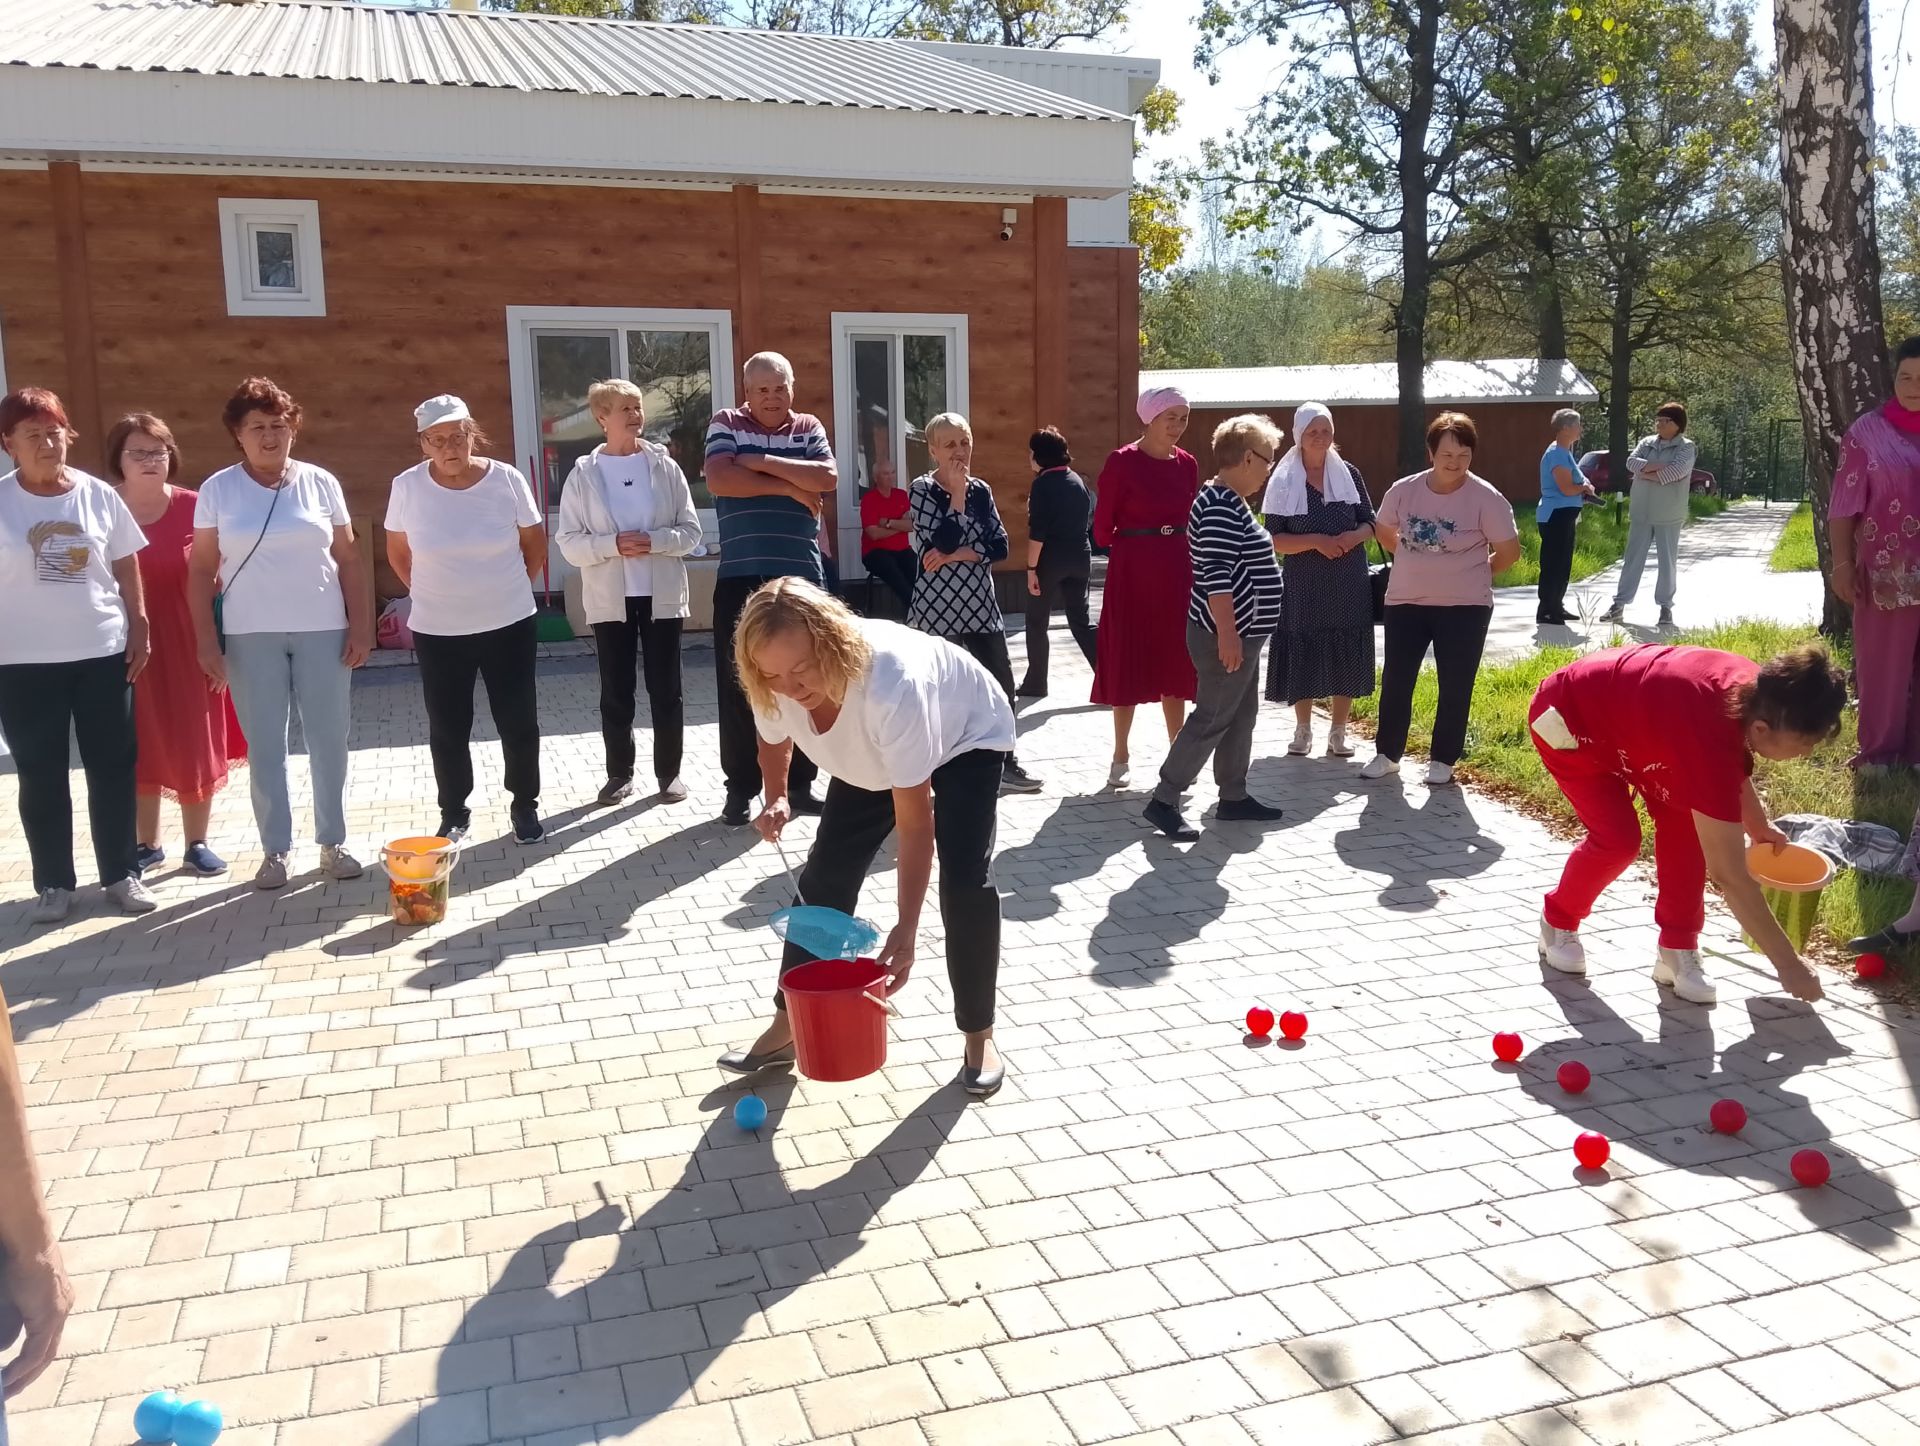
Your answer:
<point x="1143" y="610"/>
<point x="187" y="732"/>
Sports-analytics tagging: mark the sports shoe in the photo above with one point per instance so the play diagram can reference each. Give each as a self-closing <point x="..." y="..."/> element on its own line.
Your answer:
<point x="738" y="812"/>
<point x="130" y="896"/>
<point x="1117" y="773"/>
<point x="673" y="791"/>
<point x="272" y="873"/>
<point x="51" y="907"/>
<point x="614" y="790"/>
<point x="203" y="860"/>
<point x="452" y="828"/>
<point x="1615" y="614"/>
<point x="337" y="863"/>
<point x="1666" y="617"/>
<point x="1245" y="810"/>
<point x="1380" y="766"/>
<point x="1166" y="818"/>
<point x="1439" y="773"/>
<point x="527" y="828"/>
<point x="1015" y="779"/>
<point x="1302" y="743"/>
<point x="1680" y="971"/>
<point x="1337" y="745"/>
<point x="147" y="856"/>
<point x="1561" y="949"/>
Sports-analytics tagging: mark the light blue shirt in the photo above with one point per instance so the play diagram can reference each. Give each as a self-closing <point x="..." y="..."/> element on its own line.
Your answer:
<point x="1552" y="499"/>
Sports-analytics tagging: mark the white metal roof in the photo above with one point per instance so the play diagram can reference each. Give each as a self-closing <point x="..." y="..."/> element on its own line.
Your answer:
<point x="1448" y="383"/>
<point x="324" y="40"/>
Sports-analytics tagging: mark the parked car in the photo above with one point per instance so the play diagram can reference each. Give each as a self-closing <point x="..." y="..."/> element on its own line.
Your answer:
<point x="1596" y="468"/>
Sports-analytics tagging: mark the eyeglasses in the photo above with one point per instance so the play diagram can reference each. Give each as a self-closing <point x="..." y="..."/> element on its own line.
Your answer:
<point x="143" y="455"/>
<point x="1262" y="456"/>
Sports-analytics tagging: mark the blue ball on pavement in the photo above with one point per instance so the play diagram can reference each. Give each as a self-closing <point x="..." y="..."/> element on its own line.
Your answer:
<point x="153" y="1418"/>
<point x="198" y="1424"/>
<point x="749" y="1114"/>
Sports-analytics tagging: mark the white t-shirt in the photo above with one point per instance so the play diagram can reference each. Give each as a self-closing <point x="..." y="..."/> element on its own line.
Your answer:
<point x="629" y="487"/>
<point x="292" y="585"/>
<point x="57" y="592"/>
<point x="922" y="703"/>
<point x="469" y="575"/>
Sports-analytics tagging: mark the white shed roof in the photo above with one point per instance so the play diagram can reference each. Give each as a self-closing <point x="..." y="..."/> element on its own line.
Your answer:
<point x="1448" y="383"/>
<point x="327" y="40"/>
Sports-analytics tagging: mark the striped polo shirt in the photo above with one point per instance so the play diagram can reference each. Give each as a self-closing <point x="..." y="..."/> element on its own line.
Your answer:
<point x="1232" y="553"/>
<point x="767" y="536"/>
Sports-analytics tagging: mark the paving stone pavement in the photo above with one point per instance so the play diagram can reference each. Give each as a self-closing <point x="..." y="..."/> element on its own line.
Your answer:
<point x="481" y="1183"/>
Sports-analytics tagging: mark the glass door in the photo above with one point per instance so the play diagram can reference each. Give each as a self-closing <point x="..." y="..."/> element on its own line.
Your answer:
<point x="565" y="364"/>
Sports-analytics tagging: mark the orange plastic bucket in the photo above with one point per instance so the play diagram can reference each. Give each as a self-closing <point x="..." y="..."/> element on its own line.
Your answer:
<point x="1791" y="879"/>
<point x="419" y="878"/>
<point x="838" y="1009"/>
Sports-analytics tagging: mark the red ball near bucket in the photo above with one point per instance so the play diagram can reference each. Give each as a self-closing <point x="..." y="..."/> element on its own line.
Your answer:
<point x="838" y="1009"/>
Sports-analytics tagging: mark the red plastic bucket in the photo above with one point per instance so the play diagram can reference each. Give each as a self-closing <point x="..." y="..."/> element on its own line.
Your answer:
<point x="838" y="1009"/>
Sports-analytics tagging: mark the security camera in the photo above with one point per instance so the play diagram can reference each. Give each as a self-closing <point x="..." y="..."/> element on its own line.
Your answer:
<point x="1008" y="215"/>
<point x="1006" y="232"/>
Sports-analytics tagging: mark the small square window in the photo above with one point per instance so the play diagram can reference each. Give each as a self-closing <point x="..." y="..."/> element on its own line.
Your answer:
<point x="271" y="251"/>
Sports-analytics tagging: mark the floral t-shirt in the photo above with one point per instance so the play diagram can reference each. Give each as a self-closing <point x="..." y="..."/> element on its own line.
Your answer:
<point x="1878" y="481"/>
<point x="1442" y="558"/>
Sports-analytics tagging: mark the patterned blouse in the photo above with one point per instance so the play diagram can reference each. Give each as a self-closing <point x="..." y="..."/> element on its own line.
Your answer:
<point x="957" y="599"/>
<point x="1878" y="482"/>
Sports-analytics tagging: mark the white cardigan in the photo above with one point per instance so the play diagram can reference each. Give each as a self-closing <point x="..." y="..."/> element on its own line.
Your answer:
<point x="587" y="531"/>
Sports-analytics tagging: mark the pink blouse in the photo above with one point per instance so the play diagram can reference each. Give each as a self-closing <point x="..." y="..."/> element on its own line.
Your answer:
<point x="1878" y="481"/>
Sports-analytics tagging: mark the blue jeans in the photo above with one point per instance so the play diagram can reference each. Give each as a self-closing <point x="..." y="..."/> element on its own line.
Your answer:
<point x="271" y="674"/>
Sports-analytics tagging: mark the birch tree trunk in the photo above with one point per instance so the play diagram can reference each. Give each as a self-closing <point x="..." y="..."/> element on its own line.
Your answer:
<point x="1830" y="250"/>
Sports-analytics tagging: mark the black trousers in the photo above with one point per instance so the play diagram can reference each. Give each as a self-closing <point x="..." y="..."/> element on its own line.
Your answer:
<point x="990" y="651"/>
<point x="896" y="569"/>
<point x="38" y="702"/>
<point x="655" y="644"/>
<point x="1457" y="635"/>
<point x="739" y="739"/>
<point x="503" y="659"/>
<point x="1556" y="557"/>
<point x="856" y="822"/>
<point x="1061" y="585"/>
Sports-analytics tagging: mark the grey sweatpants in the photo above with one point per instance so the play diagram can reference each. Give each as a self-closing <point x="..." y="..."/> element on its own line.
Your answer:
<point x="1225" y="708"/>
<point x="1666" y="537"/>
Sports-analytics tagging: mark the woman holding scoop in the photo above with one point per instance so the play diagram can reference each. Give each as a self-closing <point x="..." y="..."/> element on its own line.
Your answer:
<point x="914" y="733"/>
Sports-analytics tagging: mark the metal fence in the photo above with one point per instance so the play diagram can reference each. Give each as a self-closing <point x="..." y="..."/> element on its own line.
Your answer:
<point x="1754" y="456"/>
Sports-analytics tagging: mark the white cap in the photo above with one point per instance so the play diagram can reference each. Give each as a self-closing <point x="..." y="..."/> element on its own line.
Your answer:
<point x="434" y="410"/>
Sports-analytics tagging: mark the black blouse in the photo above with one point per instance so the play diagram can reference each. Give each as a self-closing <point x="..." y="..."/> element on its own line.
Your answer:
<point x="1058" y="510"/>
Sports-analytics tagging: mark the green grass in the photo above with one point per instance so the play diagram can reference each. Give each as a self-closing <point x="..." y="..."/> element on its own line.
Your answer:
<point x="1795" y="551"/>
<point x="1598" y="544"/>
<point x="1501" y="756"/>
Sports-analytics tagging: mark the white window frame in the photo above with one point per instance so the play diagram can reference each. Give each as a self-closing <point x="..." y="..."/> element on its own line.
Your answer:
<point x="524" y="321"/>
<point x="239" y="216"/>
<point x="899" y="324"/>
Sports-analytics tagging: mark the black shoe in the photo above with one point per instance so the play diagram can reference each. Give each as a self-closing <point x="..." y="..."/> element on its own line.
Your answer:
<point x="1015" y="779"/>
<point x="1888" y="941"/>
<point x="738" y="1061"/>
<point x="1030" y="690"/>
<point x="615" y="790"/>
<point x="527" y="828"/>
<point x="803" y="802"/>
<point x="1245" y="810"/>
<point x="1166" y="818"/>
<point x="453" y="826"/>
<point x="983" y="1083"/>
<point x="738" y="812"/>
<point x="146" y="856"/>
<point x="1553" y="620"/>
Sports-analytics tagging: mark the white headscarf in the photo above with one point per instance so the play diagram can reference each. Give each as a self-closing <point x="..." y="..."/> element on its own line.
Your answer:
<point x="1287" y="487"/>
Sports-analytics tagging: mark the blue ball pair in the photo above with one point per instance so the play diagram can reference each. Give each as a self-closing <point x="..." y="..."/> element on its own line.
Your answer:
<point x="163" y="1416"/>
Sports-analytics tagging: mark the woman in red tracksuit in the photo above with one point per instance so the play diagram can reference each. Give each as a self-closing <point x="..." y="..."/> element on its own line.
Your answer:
<point x="1680" y="727"/>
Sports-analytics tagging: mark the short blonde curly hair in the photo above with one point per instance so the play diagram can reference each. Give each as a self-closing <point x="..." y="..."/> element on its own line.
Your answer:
<point x="792" y="603"/>
<point x="1248" y="432"/>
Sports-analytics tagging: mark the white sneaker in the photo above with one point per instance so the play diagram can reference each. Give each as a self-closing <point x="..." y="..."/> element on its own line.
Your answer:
<point x="674" y="791"/>
<point x="51" y="907"/>
<point x="337" y="862"/>
<point x="1117" y="774"/>
<point x="272" y="873"/>
<point x="1561" y="949"/>
<point x="1379" y="766"/>
<point x="1302" y="743"/>
<point x="1439" y="774"/>
<point x="130" y="896"/>
<point x="1680" y="971"/>
<point x="1337" y="745"/>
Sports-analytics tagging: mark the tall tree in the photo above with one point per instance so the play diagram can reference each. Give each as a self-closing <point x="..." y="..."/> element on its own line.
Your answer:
<point x="1369" y="127"/>
<point x="1830" y="254"/>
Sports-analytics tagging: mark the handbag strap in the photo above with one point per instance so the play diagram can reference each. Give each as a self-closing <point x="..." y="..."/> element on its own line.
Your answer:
<point x="264" y="525"/>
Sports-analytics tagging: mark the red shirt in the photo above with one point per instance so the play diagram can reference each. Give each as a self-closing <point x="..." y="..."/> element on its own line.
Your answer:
<point x="877" y="507"/>
<point x="1667" y="713"/>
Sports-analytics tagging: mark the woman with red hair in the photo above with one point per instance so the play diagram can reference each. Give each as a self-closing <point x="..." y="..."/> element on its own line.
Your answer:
<point x="74" y="641"/>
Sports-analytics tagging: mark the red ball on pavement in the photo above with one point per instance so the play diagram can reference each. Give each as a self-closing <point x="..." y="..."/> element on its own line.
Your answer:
<point x="1574" y="1077"/>
<point x="1729" y="1117"/>
<point x="1507" y="1046"/>
<point x="1810" y="1168"/>
<point x="1870" y="966"/>
<point x="1591" y="1149"/>
<point x="1293" y="1024"/>
<point x="1260" y="1021"/>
